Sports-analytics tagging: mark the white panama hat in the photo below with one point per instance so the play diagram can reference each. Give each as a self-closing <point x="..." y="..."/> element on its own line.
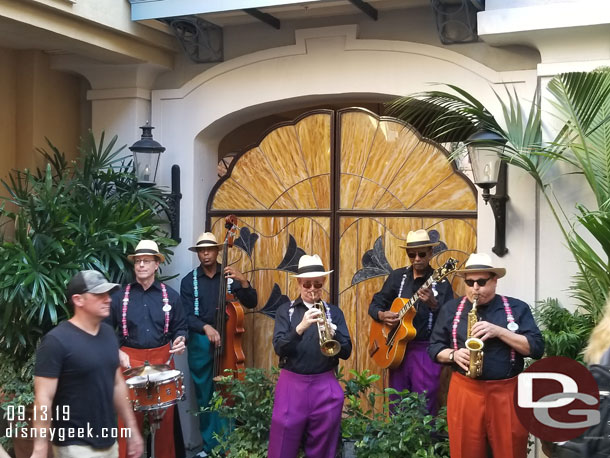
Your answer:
<point x="418" y="239"/>
<point x="311" y="267"/>
<point x="481" y="262"/>
<point x="147" y="248"/>
<point x="205" y="240"/>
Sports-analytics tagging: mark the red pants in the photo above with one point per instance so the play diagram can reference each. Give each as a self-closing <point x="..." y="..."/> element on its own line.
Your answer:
<point x="481" y="412"/>
<point x="164" y="436"/>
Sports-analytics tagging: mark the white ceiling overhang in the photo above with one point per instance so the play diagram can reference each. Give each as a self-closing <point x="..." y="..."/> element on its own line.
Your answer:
<point x="154" y="9"/>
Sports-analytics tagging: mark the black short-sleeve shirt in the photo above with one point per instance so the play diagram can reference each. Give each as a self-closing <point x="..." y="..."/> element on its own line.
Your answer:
<point x="85" y="366"/>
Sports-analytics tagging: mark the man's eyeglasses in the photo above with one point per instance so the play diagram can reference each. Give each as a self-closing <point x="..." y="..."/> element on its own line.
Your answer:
<point x="478" y="281"/>
<point x="316" y="285"/>
<point x="144" y="261"/>
<point x="421" y="254"/>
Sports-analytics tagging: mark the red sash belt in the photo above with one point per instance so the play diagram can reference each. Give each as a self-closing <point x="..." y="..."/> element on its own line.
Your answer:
<point x="158" y="355"/>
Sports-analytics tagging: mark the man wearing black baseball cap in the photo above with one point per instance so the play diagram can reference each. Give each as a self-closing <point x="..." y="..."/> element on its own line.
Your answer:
<point x="78" y="383"/>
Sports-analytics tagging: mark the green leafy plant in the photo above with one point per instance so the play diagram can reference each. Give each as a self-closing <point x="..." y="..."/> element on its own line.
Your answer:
<point x="248" y="404"/>
<point x="565" y="333"/>
<point x="16" y="382"/>
<point x="360" y="404"/>
<point x="69" y="215"/>
<point x="409" y="431"/>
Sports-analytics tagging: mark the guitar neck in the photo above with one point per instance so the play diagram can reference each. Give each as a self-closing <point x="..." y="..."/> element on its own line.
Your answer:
<point x="414" y="298"/>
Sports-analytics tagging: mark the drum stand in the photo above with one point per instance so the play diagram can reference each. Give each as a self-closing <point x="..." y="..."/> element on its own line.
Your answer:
<point x="154" y="421"/>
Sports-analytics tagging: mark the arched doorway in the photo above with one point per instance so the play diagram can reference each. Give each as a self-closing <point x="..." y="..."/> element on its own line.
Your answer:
<point x="348" y="185"/>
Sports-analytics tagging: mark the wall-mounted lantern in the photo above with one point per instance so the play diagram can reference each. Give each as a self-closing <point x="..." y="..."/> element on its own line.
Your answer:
<point x="146" y="154"/>
<point x="485" y="150"/>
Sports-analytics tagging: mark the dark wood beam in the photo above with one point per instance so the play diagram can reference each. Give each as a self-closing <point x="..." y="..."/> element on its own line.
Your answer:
<point x="264" y="17"/>
<point x="365" y="8"/>
<point x="351" y="213"/>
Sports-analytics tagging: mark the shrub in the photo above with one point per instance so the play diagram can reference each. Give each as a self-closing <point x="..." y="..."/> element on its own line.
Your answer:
<point x="409" y="431"/>
<point x="248" y="404"/>
<point x="565" y="333"/>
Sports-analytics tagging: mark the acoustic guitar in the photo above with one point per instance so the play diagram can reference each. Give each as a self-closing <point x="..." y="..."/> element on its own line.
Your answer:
<point x="387" y="345"/>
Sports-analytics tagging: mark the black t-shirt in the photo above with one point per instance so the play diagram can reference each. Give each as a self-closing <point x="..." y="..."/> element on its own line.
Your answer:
<point x="85" y="366"/>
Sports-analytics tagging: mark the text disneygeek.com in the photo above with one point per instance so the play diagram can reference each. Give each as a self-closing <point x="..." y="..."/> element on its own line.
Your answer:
<point x="61" y="434"/>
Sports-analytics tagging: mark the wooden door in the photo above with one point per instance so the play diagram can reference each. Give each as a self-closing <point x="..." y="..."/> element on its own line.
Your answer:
<point x="347" y="185"/>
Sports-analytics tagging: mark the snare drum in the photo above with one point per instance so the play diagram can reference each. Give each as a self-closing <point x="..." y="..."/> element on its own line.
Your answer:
<point x="156" y="390"/>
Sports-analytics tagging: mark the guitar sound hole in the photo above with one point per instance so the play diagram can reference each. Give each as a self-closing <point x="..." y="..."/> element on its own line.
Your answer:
<point x="390" y="339"/>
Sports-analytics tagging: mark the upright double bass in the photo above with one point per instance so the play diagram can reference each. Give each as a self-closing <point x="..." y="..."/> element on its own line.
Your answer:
<point x="229" y="354"/>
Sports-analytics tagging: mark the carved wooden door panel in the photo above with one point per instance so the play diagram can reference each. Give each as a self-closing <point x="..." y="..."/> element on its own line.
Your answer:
<point x="348" y="186"/>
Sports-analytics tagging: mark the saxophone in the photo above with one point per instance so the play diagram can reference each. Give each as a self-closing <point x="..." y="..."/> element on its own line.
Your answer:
<point x="474" y="344"/>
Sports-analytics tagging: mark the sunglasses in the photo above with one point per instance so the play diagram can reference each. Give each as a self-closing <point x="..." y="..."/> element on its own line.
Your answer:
<point x="478" y="281"/>
<point x="421" y="254"/>
<point x="316" y="285"/>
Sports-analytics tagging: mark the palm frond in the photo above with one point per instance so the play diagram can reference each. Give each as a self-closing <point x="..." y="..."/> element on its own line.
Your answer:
<point x="442" y="116"/>
<point x="582" y="102"/>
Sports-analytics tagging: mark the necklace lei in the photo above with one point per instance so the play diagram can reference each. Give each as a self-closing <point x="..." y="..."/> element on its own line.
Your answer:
<point x="196" y="292"/>
<point x="126" y="303"/>
<point x="458" y="313"/>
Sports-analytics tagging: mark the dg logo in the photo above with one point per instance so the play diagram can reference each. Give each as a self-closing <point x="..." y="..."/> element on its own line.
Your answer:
<point x="557" y="399"/>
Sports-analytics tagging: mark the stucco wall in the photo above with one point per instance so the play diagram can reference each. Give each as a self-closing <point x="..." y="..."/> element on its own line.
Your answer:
<point x="8" y="111"/>
<point x="414" y="25"/>
<point x="37" y="102"/>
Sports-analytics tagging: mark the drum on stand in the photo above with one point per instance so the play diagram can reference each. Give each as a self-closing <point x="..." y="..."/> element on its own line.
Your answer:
<point x="152" y="389"/>
<point x="156" y="390"/>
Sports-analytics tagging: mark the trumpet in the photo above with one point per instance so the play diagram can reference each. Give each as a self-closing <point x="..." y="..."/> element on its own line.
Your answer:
<point x="328" y="346"/>
<point x="474" y="344"/>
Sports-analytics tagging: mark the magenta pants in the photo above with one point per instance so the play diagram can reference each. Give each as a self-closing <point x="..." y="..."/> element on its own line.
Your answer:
<point x="418" y="373"/>
<point x="306" y="411"/>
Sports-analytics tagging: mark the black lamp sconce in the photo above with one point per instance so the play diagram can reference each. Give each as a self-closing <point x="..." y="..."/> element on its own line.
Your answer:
<point x="146" y="154"/>
<point x="488" y="169"/>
